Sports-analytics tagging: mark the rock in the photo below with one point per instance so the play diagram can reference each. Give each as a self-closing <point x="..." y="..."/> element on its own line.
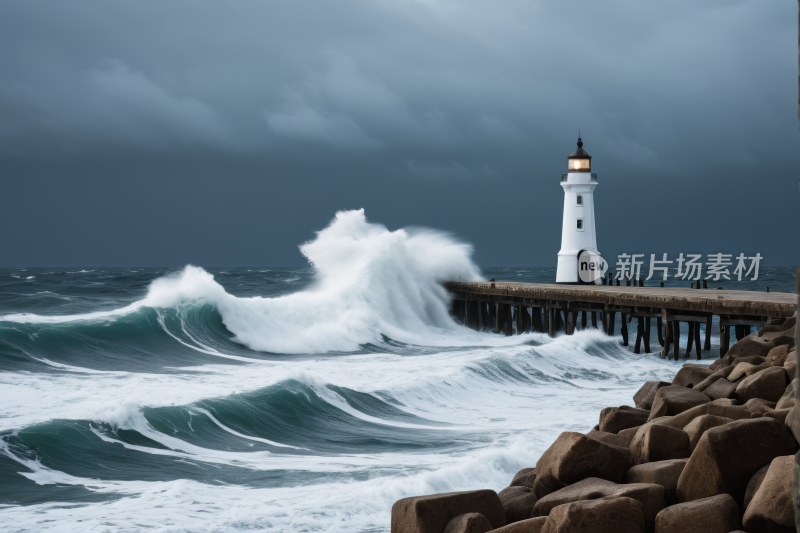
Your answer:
<point x="779" y="325"/>
<point x="609" y="438"/>
<point x="468" y="523"/>
<point x="754" y="484"/>
<point x="700" y="425"/>
<point x="722" y="388"/>
<point x="706" y="383"/>
<point x="675" y="399"/>
<point x="524" y="478"/>
<point x="752" y="359"/>
<point x="432" y="513"/>
<point x="517" y="502"/>
<point x="727" y="456"/>
<point x="787" y="399"/>
<point x="655" y="442"/>
<point x="758" y="368"/>
<point x="758" y="406"/>
<point x="761" y="346"/>
<point x="650" y="495"/>
<point x="792" y="423"/>
<point x="715" y="514"/>
<point x="778" y="414"/>
<point x="768" y="384"/>
<point x="627" y="435"/>
<point x="531" y="525"/>
<point x="573" y="457"/>
<point x="739" y="371"/>
<point x="716" y="408"/>
<point x="615" y="419"/>
<point x="721" y="363"/>
<point x="606" y="515"/>
<point x="790" y="365"/>
<point x="664" y="473"/>
<point x="777" y="356"/>
<point x="771" y="509"/>
<point x="689" y="376"/>
<point x="643" y="399"/>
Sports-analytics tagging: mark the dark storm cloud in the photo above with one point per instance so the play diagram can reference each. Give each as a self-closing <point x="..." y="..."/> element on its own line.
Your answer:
<point x="441" y="95"/>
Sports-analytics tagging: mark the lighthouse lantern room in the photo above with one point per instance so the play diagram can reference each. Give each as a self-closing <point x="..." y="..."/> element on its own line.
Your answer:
<point x="577" y="230"/>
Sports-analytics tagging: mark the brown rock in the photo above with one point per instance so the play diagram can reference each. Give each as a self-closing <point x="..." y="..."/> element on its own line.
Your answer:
<point x="432" y="513"/>
<point x="716" y="408"/>
<point x="627" y="435"/>
<point x="654" y="442"/>
<point x="722" y="388"/>
<point x="779" y="325"/>
<point x="664" y="473"/>
<point x="739" y="371"/>
<point x="643" y="399"/>
<point x="700" y="425"/>
<point x="689" y="376"/>
<point x="650" y="495"/>
<point x="715" y="514"/>
<point x="758" y="368"/>
<point x="615" y="419"/>
<point x="721" y="363"/>
<point x="676" y="399"/>
<point x="706" y="383"/>
<point x="792" y="423"/>
<point x="790" y="365"/>
<point x="573" y="457"/>
<point x="606" y="515"/>
<point x="517" y="502"/>
<point x="609" y="438"/>
<point x="777" y="356"/>
<point x="771" y="509"/>
<point x="468" y="523"/>
<point x="787" y="399"/>
<point x="754" y="345"/>
<point x="758" y="406"/>
<point x="524" y="478"/>
<point x="754" y="484"/>
<point x="768" y="384"/>
<point x="531" y="525"/>
<point x="727" y="456"/>
<point x="778" y="414"/>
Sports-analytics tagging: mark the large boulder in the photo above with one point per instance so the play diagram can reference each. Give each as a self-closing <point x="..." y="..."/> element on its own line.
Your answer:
<point x="727" y="456"/>
<point x="615" y="419"/>
<point x="792" y="423"/>
<point x="643" y="399"/>
<point x="675" y="399"/>
<point x="432" y="513"/>
<point x="790" y="365"/>
<point x="721" y="388"/>
<point x="715" y="514"/>
<point x="721" y="407"/>
<point x="700" y="425"/>
<point x="787" y="399"/>
<point x="760" y="346"/>
<point x="739" y="371"/>
<point x="650" y="495"/>
<point x="777" y="356"/>
<point x="531" y="525"/>
<point x="524" y="478"/>
<point x="768" y="384"/>
<point x="468" y="523"/>
<point x="690" y="376"/>
<point x="771" y="509"/>
<point x="573" y="457"/>
<point x="708" y="381"/>
<point x="754" y="484"/>
<point x="517" y="502"/>
<point x="606" y="515"/>
<point x="664" y="473"/>
<point x="654" y="442"/>
<point x="610" y="438"/>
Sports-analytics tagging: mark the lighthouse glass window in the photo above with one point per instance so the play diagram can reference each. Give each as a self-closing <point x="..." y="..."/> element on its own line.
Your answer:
<point x="580" y="224"/>
<point x="580" y="200"/>
<point x="580" y="165"/>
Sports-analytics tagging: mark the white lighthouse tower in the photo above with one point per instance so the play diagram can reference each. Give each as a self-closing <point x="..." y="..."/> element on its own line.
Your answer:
<point x="577" y="230"/>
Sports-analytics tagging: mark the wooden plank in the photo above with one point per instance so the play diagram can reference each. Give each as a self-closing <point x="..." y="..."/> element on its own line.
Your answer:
<point x="727" y="302"/>
<point x="744" y="321"/>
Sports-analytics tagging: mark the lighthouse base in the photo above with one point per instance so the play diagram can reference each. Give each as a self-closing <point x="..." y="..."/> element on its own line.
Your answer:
<point x="567" y="271"/>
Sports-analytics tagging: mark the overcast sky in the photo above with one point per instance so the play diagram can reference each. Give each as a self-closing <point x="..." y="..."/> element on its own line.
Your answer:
<point x="227" y="133"/>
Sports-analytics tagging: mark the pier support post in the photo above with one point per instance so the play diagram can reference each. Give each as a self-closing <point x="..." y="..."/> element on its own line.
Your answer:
<point x="536" y="316"/>
<point x="690" y="340"/>
<point x="611" y="322"/>
<point x="707" y="345"/>
<point x="697" y="339"/>
<point x="497" y="320"/>
<point x="594" y="320"/>
<point x="624" y="328"/>
<point x="559" y="320"/>
<point x="639" y="334"/>
<point x="570" y="329"/>
<point x="676" y="339"/>
<point x="551" y="321"/>
<point x="724" y="338"/>
<point x="646" y="335"/>
<point x="667" y="338"/>
<point x="661" y="331"/>
<point x="507" y="321"/>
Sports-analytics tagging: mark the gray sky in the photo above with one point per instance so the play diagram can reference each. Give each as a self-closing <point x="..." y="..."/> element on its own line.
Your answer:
<point x="226" y="133"/>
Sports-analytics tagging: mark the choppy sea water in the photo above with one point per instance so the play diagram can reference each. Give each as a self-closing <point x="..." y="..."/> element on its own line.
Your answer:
<point x="277" y="399"/>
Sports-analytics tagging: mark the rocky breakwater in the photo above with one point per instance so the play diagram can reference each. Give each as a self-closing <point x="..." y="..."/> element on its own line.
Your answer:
<point x="711" y="452"/>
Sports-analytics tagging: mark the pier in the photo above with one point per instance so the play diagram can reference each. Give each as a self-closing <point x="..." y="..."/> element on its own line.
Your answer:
<point x="506" y="307"/>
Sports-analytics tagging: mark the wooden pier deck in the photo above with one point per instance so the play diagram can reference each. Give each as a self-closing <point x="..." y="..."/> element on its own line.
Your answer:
<point x="501" y="304"/>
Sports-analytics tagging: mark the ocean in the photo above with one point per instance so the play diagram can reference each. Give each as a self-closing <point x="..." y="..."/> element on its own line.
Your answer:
<point x="283" y="399"/>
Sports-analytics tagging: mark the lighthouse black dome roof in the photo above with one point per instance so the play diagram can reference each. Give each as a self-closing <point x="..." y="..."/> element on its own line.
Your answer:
<point x="580" y="153"/>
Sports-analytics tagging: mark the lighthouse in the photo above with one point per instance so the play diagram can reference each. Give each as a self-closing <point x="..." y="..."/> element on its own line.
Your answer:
<point x="577" y="230"/>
